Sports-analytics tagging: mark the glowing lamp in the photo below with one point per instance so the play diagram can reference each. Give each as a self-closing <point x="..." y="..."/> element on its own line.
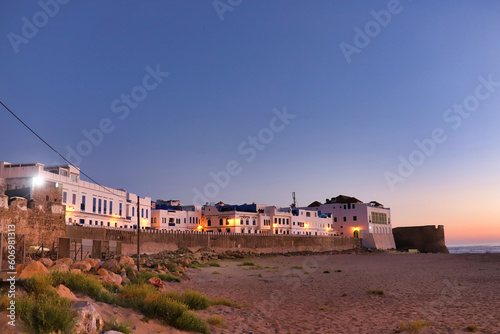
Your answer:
<point x="37" y="181"/>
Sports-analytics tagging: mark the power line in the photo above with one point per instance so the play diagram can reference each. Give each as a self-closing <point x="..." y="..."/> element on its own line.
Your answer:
<point x="53" y="149"/>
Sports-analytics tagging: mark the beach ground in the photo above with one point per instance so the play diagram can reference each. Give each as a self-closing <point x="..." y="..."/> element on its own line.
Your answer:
<point x="329" y="293"/>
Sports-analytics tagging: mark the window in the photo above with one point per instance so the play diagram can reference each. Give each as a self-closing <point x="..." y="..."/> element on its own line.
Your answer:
<point x="287" y="222"/>
<point x="334" y="219"/>
<point x="209" y="222"/>
<point x="345" y="219"/>
<point x="221" y="221"/>
<point x="227" y="221"/>
<point x="74" y="199"/>
<point x="353" y="206"/>
<point x="110" y="207"/>
<point x="355" y="218"/>
<point x="190" y="220"/>
<point x="94" y="204"/>
<point x="142" y="213"/>
<point x="133" y="211"/>
<point x="105" y="206"/>
<point x="254" y="222"/>
<point x="82" y="221"/>
<point x="108" y="224"/>
<point x="74" y="177"/>
<point x="344" y="207"/>
<point x="147" y="213"/>
<point x="90" y="222"/>
<point x="65" y="197"/>
<point x="184" y="220"/>
<point x="241" y="221"/>
<point x="308" y="214"/>
<point x="47" y="198"/>
<point x="121" y="209"/>
<point x="100" y="206"/>
<point x="247" y="222"/>
<point x="82" y="205"/>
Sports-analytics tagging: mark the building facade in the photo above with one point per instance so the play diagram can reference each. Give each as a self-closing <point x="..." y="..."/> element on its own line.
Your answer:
<point x="86" y="203"/>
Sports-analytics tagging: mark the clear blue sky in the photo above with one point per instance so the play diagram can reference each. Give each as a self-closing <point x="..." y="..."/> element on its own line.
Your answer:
<point x="352" y="120"/>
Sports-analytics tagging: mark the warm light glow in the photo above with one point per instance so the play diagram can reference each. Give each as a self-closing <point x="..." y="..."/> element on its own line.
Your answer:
<point x="356" y="229"/>
<point x="306" y="225"/>
<point x="70" y="208"/>
<point x="116" y="216"/>
<point x="37" y="181"/>
<point x="199" y="227"/>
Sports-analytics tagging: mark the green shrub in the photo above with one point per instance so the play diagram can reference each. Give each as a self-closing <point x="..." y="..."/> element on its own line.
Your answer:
<point x="164" y="308"/>
<point x="143" y="277"/>
<point x="134" y="294"/>
<point x="224" y="301"/>
<point x="297" y="267"/>
<point x="191" y="322"/>
<point x="115" y="325"/>
<point x="213" y="263"/>
<point x="173" y="267"/>
<point x="322" y="308"/>
<point x="376" y="292"/>
<point x="216" y="272"/>
<point x="414" y="326"/>
<point x="46" y="313"/>
<point x="216" y="321"/>
<point x="195" y="300"/>
<point x="247" y="263"/>
<point x="169" y="278"/>
<point x="38" y="284"/>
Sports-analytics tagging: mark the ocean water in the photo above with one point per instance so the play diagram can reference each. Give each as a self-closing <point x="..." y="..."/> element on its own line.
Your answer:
<point x="477" y="249"/>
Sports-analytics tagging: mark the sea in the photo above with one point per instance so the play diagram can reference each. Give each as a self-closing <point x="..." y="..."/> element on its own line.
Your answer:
<point x="474" y="249"/>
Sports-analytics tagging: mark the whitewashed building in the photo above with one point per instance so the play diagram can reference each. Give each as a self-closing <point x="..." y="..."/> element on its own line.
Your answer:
<point x="353" y="218"/>
<point x="87" y="203"/>
<point x="171" y="216"/>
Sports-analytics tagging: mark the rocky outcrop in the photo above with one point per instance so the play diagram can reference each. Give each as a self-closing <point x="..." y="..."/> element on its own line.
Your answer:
<point x="89" y="321"/>
<point x="30" y="269"/>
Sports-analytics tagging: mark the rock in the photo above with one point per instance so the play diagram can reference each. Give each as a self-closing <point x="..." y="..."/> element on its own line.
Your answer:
<point x="110" y="277"/>
<point x="75" y="271"/>
<point x="64" y="292"/>
<point x="67" y="261"/>
<point x="46" y="262"/>
<point x="125" y="279"/>
<point x="94" y="263"/>
<point x="63" y="267"/>
<point x="31" y="269"/>
<point x="112" y="332"/>
<point x="111" y="265"/>
<point x="157" y="283"/>
<point x="84" y="266"/>
<point x="89" y="320"/>
<point x="124" y="259"/>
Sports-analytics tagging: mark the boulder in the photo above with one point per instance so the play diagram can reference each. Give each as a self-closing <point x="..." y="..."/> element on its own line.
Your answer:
<point x="84" y="266"/>
<point x="157" y="283"/>
<point x="61" y="266"/>
<point x="64" y="292"/>
<point x="94" y="263"/>
<point x="108" y="276"/>
<point x="124" y="277"/>
<point x="30" y="269"/>
<point x="89" y="321"/>
<point x="111" y="265"/>
<point x="46" y="262"/>
<point x="124" y="259"/>
<point x="67" y="261"/>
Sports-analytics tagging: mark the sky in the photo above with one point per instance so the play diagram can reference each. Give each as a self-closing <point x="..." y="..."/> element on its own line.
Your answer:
<point x="248" y="101"/>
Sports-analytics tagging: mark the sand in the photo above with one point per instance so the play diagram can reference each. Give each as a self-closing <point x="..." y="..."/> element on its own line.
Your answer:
<point x="450" y="291"/>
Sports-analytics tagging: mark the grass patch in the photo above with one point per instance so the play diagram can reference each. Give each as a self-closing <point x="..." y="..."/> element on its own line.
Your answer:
<point x="471" y="328"/>
<point x="114" y="325"/>
<point x="376" y="292"/>
<point x="213" y="263"/>
<point x="247" y="263"/>
<point x="257" y="267"/>
<point x="259" y="275"/>
<point x="134" y="295"/>
<point x="224" y="301"/>
<point x="338" y="271"/>
<point x="169" y="278"/>
<point x="322" y="308"/>
<point x="414" y="326"/>
<point x="215" y="272"/>
<point x="217" y="321"/>
<point x="173" y="267"/>
<point x="191" y="322"/>
<point x="326" y="272"/>
<point x="46" y="313"/>
<point x="297" y="267"/>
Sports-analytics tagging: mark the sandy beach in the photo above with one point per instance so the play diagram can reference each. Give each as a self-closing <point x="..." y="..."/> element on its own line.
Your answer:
<point x="450" y="291"/>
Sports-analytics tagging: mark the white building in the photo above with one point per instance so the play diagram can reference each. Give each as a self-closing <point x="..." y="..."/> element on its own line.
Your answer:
<point x="87" y="203"/>
<point x="353" y="218"/>
<point x="171" y="216"/>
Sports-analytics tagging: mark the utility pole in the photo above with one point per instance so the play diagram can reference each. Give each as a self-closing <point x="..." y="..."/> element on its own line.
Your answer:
<point x="138" y="233"/>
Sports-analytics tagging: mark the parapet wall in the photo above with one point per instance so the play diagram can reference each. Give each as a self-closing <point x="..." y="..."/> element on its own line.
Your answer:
<point x="427" y="239"/>
<point x="156" y="241"/>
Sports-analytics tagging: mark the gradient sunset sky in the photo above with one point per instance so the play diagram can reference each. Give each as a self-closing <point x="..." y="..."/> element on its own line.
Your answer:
<point x="318" y="97"/>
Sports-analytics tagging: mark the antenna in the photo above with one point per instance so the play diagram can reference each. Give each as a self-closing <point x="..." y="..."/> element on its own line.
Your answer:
<point x="294" y="204"/>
